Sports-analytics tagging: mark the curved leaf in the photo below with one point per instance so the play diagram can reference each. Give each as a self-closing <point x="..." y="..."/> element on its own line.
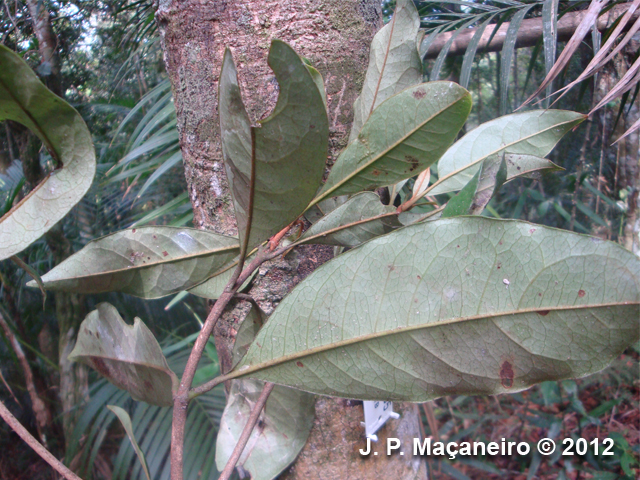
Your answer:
<point x="285" y="156"/>
<point x="528" y="133"/>
<point x="404" y="135"/>
<point x="283" y="428"/>
<point x="284" y="424"/>
<point x="24" y="99"/>
<point x="127" y="355"/>
<point x="464" y="305"/>
<point x="125" y="420"/>
<point x="352" y="223"/>
<point x="148" y="262"/>
<point x="394" y="63"/>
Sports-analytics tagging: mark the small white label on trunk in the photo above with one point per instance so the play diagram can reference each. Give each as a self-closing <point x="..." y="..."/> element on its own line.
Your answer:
<point x="376" y="413"/>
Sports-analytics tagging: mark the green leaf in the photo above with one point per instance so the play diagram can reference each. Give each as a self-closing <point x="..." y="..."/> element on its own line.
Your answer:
<point x="394" y="63"/>
<point x="323" y="208"/>
<point x="404" y="135"/>
<point x="282" y="429"/>
<point x="461" y="203"/>
<point x="470" y="53"/>
<point x="285" y="156"/>
<point x="528" y="133"/>
<point x="214" y="287"/>
<point x="125" y="420"/>
<point x="352" y="223"/>
<point x="501" y="168"/>
<point x="127" y="355"/>
<point x="24" y="99"/>
<point x="456" y="306"/>
<point x="507" y="55"/>
<point x="148" y="262"/>
<point x="284" y="424"/>
<point x="247" y="332"/>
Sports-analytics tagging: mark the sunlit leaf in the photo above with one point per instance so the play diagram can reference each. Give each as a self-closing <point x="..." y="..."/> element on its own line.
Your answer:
<point x="24" y="99"/>
<point x="529" y="133"/>
<point x="127" y="355"/>
<point x="394" y="63"/>
<point x="286" y="154"/>
<point x="464" y="305"/>
<point x="148" y="262"/>
<point x="404" y="135"/>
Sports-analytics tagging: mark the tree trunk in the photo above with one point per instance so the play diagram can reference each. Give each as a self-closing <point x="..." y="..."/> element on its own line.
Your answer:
<point x="335" y="36"/>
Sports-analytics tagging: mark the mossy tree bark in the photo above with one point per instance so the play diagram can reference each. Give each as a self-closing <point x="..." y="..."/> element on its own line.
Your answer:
<point x="335" y="36"/>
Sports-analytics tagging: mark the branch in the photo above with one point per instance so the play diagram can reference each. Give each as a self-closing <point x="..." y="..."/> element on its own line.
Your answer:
<point x="43" y="417"/>
<point x="528" y="35"/>
<point x="246" y="433"/>
<point x="181" y="398"/>
<point x="17" y="427"/>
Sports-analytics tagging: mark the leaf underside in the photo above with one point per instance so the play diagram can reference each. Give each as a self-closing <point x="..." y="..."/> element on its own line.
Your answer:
<point x="127" y="355"/>
<point x="394" y="63"/>
<point x="290" y="146"/>
<point x="347" y="225"/>
<point x="464" y="305"/>
<point x="406" y="134"/>
<point x="148" y="262"/>
<point x="24" y="99"/>
<point x="532" y="133"/>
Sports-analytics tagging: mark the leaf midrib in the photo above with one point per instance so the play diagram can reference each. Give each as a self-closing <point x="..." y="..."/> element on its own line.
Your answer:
<point x="385" y="152"/>
<point x="149" y="265"/>
<point x="484" y="157"/>
<point x="399" y="330"/>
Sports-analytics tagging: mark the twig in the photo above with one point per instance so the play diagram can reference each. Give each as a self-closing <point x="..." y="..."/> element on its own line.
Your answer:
<point x="431" y="420"/>
<point x="246" y="433"/>
<point x="17" y="427"/>
<point x="43" y="416"/>
<point x="182" y="397"/>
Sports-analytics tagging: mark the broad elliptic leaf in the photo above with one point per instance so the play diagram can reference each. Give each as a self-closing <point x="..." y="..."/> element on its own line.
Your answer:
<point x="125" y="420"/>
<point x="148" y="262"/>
<point x="127" y="355"/>
<point x="24" y="99"/>
<point x="285" y="155"/>
<point x="404" y="135"/>
<point x="284" y="424"/>
<point x="351" y="224"/>
<point x="394" y="63"/>
<point x="464" y="305"/>
<point x="528" y="133"/>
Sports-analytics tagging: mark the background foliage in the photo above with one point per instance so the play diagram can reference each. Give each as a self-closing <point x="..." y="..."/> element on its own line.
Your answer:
<point x="112" y="72"/>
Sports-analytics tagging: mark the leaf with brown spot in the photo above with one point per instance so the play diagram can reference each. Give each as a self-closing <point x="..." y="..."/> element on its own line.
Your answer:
<point x="355" y="325"/>
<point x="127" y="355"/>
<point x="403" y="136"/>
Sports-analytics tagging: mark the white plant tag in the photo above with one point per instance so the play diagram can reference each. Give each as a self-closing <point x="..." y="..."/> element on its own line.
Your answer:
<point x="376" y="414"/>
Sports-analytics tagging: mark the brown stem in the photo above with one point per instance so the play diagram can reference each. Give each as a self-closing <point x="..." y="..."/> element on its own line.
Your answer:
<point x="246" y="433"/>
<point x="181" y="398"/>
<point x="17" y="427"/>
<point x="43" y="416"/>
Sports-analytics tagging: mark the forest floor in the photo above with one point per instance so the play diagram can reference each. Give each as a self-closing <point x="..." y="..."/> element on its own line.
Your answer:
<point x="605" y="405"/>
